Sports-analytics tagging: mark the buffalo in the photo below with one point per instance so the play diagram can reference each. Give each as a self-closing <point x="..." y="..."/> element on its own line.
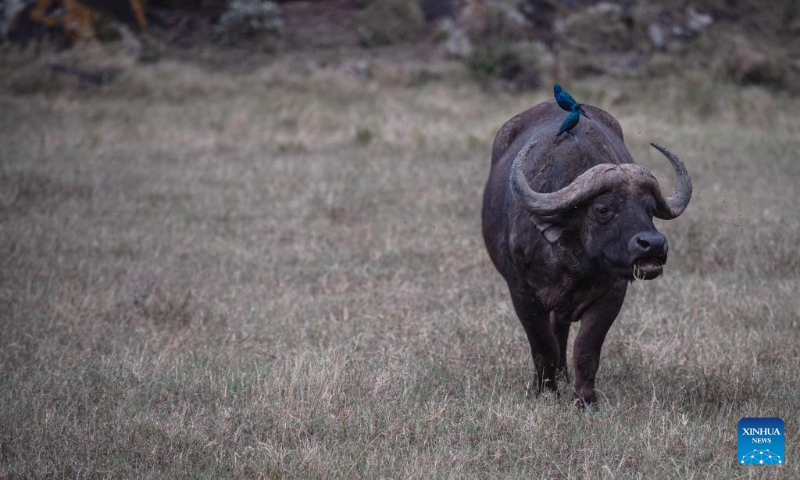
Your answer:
<point x="568" y="225"/>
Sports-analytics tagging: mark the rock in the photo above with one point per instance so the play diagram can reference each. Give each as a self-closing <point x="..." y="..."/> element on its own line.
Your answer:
<point x="482" y="22"/>
<point x="680" y="31"/>
<point x="9" y="10"/>
<point x="656" y="35"/>
<point x="130" y="42"/>
<point x="697" y="21"/>
<point x="457" y="43"/>
<point x="250" y="18"/>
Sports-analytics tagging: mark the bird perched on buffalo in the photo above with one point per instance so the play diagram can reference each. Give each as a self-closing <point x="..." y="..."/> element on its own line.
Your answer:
<point x="570" y="121"/>
<point x="565" y="100"/>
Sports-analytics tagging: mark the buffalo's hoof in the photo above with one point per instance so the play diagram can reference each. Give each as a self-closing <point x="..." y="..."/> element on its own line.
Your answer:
<point x="584" y="400"/>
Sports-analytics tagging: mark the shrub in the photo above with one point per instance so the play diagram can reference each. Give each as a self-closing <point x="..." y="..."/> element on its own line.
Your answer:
<point x="508" y="62"/>
<point x="248" y="19"/>
<point x="385" y="22"/>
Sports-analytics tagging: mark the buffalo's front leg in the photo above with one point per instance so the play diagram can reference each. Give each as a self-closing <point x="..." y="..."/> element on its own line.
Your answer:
<point x="544" y="346"/>
<point x="560" y="328"/>
<point x="586" y="354"/>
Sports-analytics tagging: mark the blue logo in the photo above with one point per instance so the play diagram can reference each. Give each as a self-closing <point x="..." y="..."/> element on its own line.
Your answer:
<point x="761" y="441"/>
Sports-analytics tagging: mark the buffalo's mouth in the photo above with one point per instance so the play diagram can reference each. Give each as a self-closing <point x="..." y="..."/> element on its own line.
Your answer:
<point x="648" y="268"/>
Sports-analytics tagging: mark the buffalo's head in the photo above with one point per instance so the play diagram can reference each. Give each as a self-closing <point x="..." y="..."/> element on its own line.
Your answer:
<point x="609" y="209"/>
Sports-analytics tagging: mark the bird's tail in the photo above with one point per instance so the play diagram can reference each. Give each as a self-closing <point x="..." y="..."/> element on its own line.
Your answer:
<point x="583" y="112"/>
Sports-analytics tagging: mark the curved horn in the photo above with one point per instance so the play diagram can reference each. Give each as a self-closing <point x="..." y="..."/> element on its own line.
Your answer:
<point x="673" y="206"/>
<point x="589" y="184"/>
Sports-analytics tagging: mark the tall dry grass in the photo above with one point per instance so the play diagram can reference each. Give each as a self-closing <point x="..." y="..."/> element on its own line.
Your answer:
<point x="215" y="275"/>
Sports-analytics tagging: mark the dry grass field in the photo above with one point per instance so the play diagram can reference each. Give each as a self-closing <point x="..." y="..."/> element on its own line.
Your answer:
<point x="279" y="273"/>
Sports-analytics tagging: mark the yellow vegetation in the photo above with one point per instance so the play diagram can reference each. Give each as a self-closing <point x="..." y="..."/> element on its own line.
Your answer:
<point x="75" y="18"/>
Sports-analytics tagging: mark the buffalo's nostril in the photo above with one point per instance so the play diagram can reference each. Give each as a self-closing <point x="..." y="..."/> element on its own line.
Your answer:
<point x="648" y="244"/>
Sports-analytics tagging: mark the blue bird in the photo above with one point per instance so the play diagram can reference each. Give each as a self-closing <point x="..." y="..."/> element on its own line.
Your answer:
<point x="570" y="121"/>
<point x="565" y="100"/>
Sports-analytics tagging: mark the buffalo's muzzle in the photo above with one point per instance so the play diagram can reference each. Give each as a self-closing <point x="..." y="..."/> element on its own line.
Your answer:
<point x="648" y="252"/>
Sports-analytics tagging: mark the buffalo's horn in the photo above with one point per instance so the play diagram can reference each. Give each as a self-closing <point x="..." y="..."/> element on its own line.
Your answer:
<point x="673" y="206"/>
<point x="589" y="184"/>
<point x="597" y="180"/>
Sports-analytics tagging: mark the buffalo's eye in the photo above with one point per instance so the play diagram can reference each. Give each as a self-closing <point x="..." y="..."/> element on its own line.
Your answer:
<point x="602" y="210"/>
<point x="603" y="213"/>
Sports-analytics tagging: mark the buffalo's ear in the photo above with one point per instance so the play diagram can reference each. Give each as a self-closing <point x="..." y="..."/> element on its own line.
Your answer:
<point x="551" y="226"/>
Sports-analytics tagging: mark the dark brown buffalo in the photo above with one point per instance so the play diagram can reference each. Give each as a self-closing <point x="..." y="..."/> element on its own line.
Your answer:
<point x="568" y="224"/>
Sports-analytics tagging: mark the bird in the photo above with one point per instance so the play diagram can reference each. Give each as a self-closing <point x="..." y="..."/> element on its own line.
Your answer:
<point x="572" y="119"/>
<point x="565" y="100"/>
